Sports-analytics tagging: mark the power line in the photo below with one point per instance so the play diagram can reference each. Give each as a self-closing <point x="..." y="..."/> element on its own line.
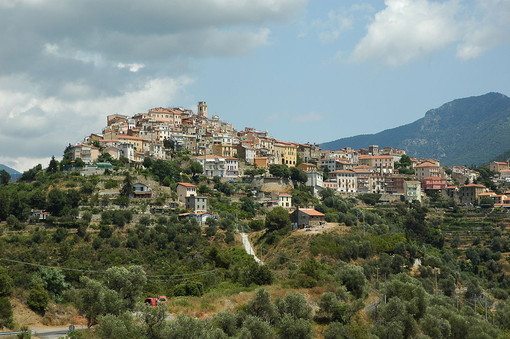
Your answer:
<point x="182" y="275"/>
<point x="47" y="266"/>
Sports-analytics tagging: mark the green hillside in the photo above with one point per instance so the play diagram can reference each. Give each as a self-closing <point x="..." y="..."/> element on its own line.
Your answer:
<point x="468" y="131"/>
<point x="402" y="270"/>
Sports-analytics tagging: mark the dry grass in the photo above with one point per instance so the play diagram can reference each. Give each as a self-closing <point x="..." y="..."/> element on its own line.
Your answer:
<point x="231" y="300"/>
<point x="56" y="315"/>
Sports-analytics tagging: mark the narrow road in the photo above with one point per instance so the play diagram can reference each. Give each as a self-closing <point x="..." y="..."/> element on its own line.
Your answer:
<point x="55" y="332"/>
<point x="249" y="249"/>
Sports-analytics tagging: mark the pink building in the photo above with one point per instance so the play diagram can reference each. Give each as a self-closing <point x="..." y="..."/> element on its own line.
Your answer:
<point x="433" y="183"/>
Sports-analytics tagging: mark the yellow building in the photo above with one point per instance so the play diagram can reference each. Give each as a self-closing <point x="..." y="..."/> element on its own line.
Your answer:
<point x="224" y="150"/>
<point x="285" y="153"/>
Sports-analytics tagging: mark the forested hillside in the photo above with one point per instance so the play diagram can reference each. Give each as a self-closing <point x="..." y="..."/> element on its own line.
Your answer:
<point x="393" y="271"/>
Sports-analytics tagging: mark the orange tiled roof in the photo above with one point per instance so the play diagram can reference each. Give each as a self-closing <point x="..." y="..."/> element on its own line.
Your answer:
<point x="312" y="212"/>
<point x="362" y="157"/>
<point x="426" y="164"/>
<point x="130" y="137"/>
<point x="474" y="185"/>
<point x="186" y="184"/>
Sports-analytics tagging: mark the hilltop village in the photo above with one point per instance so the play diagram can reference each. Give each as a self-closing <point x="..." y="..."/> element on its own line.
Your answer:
<point x="223" y="152"/>
<point x="173" y="224"/>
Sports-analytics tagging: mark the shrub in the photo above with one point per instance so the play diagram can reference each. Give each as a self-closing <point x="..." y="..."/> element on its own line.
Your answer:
<point x="255" y="328"/>
<point x="225" y="321"/>
<point x="14" y="224"/>
<point x="60" y="234"/>
<point x="295" y="328"/>
<point x="253" y="273"/>
<point x="6" y="319"/>
<point x="6" y="283"/>
<point x="335" y="331"/>
<point x="295" y="305"/>
<point x="262" y="307"/>
<point x="191" y="288"/>
<point x="38" y="298"/>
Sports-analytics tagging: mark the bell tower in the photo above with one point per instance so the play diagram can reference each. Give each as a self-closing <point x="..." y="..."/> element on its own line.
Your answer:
<point x="202" y="109"/>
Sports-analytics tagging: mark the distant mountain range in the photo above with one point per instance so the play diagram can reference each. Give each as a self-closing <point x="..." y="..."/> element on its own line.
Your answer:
<point x="468" y="131"/>
<point x="14" y="174"/>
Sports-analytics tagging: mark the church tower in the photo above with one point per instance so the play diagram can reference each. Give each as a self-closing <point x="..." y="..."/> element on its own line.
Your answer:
<point x="202" y="109"/>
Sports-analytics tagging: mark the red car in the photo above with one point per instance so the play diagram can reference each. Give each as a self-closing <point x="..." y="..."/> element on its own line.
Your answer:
<point x="151" y="301"/>
<point x="156" y="301"/>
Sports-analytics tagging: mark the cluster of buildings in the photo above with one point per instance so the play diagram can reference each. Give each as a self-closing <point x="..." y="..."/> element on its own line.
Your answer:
<point x="215" y="144"/>
<point x="220" y="148"/>
<point x="502" y="169"/>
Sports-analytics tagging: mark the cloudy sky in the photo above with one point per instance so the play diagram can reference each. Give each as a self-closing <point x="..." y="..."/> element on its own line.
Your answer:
<point x="313" y="70"/>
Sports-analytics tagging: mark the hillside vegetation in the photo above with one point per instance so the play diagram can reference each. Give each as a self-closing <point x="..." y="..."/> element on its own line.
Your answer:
<point x="390" y="271"/>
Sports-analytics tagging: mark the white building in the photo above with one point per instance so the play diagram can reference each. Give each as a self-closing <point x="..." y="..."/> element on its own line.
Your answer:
<point x="184" y="190"/>
<point x="346" y="179"/>
<point x="284" y="200"/>
<point x="218" y="166"/>
<point x="412" y="190"/>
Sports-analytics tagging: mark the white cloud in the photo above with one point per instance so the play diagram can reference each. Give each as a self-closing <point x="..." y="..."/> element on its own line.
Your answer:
<point x="34" y="126"/>
<point x="337" y="22"/>
<point x="21" y="164"/>
<point x="131" y="67"/>
<point x="73" y="62"/>
<point x="490" y="29"/>
<point x="410" y="29"/>
<point x="309" y="117"/>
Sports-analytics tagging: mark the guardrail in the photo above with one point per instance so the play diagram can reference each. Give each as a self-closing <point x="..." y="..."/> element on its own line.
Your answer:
<point x="16" y="332"/>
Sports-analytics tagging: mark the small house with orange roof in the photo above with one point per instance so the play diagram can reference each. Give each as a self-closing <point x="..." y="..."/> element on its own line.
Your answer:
<point x="306" y="217"/>
<point x="184" y="190"/>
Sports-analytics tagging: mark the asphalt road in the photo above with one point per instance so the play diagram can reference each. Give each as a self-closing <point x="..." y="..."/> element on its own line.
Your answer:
<point x="54" y="332"/>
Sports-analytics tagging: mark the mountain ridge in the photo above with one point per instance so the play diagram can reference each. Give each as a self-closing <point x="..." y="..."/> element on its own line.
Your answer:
<point x="14" y="174"/>
<point x="466" y="131"/>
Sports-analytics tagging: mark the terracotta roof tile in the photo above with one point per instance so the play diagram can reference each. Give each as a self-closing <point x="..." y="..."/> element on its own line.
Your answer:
<point x="186" y="184"/>
<point x="312" y="212"/>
